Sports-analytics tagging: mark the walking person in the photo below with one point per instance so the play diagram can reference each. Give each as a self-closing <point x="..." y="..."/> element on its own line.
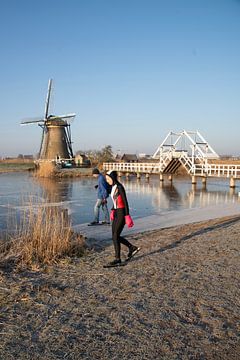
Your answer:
<point x="102" y="196"/>
<point x="119" y="216"/>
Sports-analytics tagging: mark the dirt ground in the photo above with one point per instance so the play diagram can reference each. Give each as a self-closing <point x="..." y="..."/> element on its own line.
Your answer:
<point x="179" y="298"/>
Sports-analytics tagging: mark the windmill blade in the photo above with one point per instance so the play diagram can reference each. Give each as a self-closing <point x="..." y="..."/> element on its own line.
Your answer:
<point x="69" y="140"/>
<point x="68" y="116"/>
<point x="44" y="130"/>
<point x="32" y="121"/>
<point x="48" y="98"/>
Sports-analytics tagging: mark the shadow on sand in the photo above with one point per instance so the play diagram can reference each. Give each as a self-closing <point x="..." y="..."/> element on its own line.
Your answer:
<point x="182" y="240"/>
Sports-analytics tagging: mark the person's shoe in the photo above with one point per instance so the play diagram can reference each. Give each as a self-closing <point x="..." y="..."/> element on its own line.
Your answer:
<point x="114" y="263"/>
<point x="132" y="251"/>
<point x="94" y="223"/>
<point x="105" y="223"/>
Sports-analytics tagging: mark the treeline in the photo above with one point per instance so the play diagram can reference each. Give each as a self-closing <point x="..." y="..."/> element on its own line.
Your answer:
<point x="97" y="157"/>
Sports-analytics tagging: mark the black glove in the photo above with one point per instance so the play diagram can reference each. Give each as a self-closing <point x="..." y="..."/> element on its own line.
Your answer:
<point x="96" y="186"/>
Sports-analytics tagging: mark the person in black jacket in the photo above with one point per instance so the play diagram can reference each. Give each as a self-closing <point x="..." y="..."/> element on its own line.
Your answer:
<point x="119" y="216"/>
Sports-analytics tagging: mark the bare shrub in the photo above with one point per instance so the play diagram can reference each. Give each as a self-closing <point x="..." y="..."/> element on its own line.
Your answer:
<point x="43" y="236"/>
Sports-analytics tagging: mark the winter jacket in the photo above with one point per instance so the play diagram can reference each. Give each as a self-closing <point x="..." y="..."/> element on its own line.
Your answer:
<point x="102" y="187"/>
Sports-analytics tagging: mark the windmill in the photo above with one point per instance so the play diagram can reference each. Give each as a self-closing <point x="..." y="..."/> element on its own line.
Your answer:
<point x="56" y="141"/>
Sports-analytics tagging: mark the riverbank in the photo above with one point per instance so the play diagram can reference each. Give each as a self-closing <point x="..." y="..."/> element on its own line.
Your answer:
<point x="15" y="167"/>
<point x="60" y="173"/>
<point x="177" y="299"/>
<point x="74" y="172"/>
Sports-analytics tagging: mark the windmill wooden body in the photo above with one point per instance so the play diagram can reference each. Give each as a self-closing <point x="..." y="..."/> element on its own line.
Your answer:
<point x="56" y="141"/>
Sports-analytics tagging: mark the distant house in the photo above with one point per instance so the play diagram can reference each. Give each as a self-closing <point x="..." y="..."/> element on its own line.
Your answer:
<point x="117" y="157"/>
<point x="81" y="160"/>
<point x="28" y="157"/>
<point x="25" y="157"/>
<point x="145" y="158"/>
<point x="129" y="158"/>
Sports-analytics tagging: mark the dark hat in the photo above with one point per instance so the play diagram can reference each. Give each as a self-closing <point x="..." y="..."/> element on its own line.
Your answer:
<point x="113" y="175"/>
<point x="95" y="171"/>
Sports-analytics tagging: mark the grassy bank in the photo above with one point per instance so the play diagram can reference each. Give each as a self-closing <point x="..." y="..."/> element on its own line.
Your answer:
<point x="74" y="172"/>
<point x="15" y="167"/>
<point x="49" y="170"/>
<point x="30" y="166"/>
<point x="178" y="299"/>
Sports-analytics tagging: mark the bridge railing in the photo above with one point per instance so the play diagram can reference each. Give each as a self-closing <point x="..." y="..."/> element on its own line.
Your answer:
<point x="147" y="168"/>
<point x="203" y="169"/>
<point x="186" y="162"/>
<point x="223" y="170"/>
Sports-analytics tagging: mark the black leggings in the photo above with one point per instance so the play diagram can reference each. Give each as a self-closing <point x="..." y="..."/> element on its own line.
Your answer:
<point x="117" y="227"/>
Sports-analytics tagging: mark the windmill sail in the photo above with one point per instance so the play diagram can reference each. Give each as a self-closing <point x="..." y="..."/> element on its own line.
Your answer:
<point x="48" y="98"/>
<point x="32" y="121"/>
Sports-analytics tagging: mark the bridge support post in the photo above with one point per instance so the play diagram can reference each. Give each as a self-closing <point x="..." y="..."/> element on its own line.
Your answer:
<point x="204" y="182"/>
<point x="194" y="187"/>
<point x="147" y="176"/>
<point x="127" y="176"/>
<point x="194" y="179"/>
<point x="232" y="183"/>
<point x="138" y="176"/>
<point x="170" y="178"/>
<point x="119" y="174"/>
<point x="161" y="178"/>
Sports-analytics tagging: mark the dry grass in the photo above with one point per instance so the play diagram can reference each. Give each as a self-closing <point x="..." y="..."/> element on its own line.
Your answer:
<point x="16" y="167"/>
<point x="16" y="161"/>
<point x="224" y="161"/>
<point x="42" y="236"/>
<point x="46" y="169"/>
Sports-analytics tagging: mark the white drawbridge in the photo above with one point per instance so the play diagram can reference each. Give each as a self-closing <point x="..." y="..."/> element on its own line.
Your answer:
<point x="186" y="148"/>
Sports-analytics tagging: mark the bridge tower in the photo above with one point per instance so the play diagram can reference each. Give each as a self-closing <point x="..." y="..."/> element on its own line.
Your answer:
<point x="187" y="148"/>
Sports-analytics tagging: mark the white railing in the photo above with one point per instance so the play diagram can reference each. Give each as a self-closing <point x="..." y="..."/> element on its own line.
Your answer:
<point x="147" y="168"/>
<point x="186" y="162"/>
<point x="202" y="169"/>
<point x="165" y="158"/>
<point x="223" y="170"/>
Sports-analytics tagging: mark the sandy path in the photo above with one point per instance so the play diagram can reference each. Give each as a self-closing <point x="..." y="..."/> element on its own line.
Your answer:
<point x="178" y="299"/>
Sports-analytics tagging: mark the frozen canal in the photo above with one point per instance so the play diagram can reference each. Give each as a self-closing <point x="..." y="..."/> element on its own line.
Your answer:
<point x="20" y="190"/>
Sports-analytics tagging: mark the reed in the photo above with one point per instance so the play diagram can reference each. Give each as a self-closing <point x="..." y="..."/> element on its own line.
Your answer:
<point x="42" y="236"/>
<point x="46" y="169"/>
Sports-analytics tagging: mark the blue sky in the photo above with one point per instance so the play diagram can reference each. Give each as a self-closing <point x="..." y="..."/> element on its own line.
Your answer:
<point x="132" y="70"/>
